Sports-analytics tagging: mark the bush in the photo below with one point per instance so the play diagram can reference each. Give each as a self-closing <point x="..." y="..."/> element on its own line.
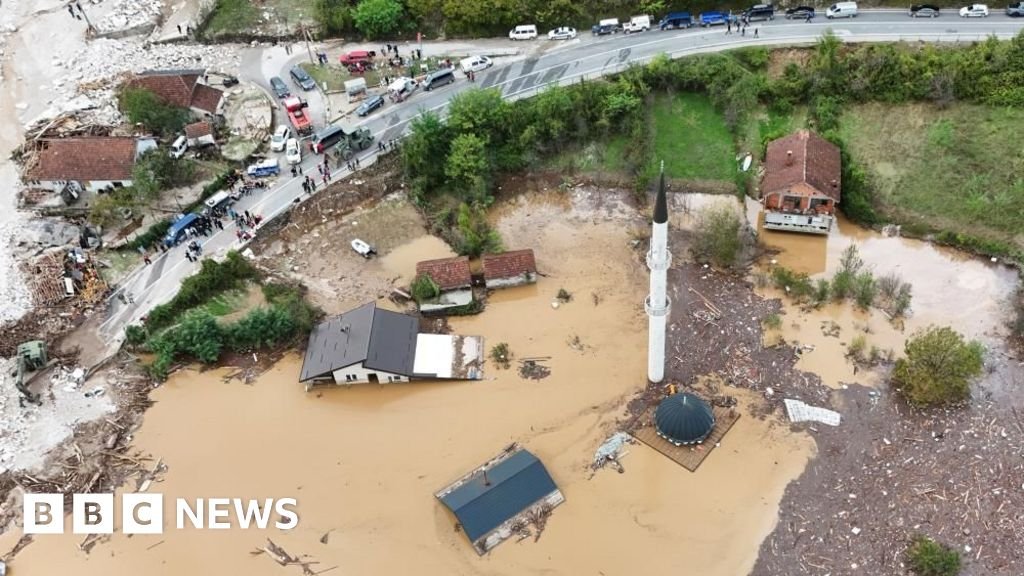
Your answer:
<point x="822" y="289"/>
<point x="424" y="288"/>
<point x="717" y="237"/>
<point x="143" y="107"/>
<point x="929" y="558"/>
<point x="262" y="327"/>
<point x="773" y="321"/>
<point x="135" y="335"/>
<point x="857" y="347"/>
<point x="290" y="299"/>
<point x="895" y="294"/>
<point x="213" y="278"/>
<point x="864" y="290"/>
<point x="377" y="18"/>
<point x="501" y="355"/>
<point x="475" y="235"/>
<point x="797" y="285"/>
<point x="333" y="16"/>
<point x="938" y="367"/>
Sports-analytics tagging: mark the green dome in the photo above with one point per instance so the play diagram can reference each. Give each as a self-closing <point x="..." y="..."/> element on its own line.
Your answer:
<point x="683" y="419"/>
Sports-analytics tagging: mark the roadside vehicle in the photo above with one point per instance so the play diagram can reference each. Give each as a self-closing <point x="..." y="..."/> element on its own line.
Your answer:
<point x="279" y="87"/>
<point x="924" y="11"/>
<point x="339" y="143"/>
<point x="974" y="11"/>
<point x="369" y="105"/>
<point x="523" y="32"/>
<point x="759" y="12"/>
<point x="263" y="168"/>
<point x="296" y="108"/>
<point x="292" y="151"/>
<point x="637" y="24"/>
<point x="356" y="56"/>
<point x="217" y="200"/>
<point x="602" y="30"/>
<point x="799" y="13"/>
<point x="675" y="20"/>
<point x="179" y="147"/>
<point x="326" y="138"/>
<point x="713" y="18"/>
<point x="178" y="228"/>
<point x="302" y="78"/>
<point x="475" y="64"/>
<point x="401" y="89"/>
<point x="1015" y="9"/>
<point x="438" y="78"/>
<point x="562" y="33"/>
<point x="841" y="10"/>
<point x="281" y="135"/>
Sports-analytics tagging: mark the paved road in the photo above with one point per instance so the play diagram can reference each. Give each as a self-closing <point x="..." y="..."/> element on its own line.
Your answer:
<point x="555" y="63"/>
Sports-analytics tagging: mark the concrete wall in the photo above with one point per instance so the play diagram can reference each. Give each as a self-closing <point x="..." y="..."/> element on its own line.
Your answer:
<point x="358" y="374"/>
<point x="92" y="186"/>
<point x="524" y="278"/>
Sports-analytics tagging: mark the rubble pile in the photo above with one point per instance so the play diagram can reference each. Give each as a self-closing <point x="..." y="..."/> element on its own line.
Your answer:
<point x="125" y="14"/>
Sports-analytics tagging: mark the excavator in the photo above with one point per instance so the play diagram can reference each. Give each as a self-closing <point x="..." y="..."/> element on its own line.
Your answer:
<point x="31" y="358"/>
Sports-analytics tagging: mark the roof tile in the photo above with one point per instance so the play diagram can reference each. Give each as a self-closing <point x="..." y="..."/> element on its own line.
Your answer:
<point x="815" y="161"/>
<point x="85" y="159"/>
<point x="206" y="98"/>
<point x="509" y="264"/>
<point x="448" y="273"/>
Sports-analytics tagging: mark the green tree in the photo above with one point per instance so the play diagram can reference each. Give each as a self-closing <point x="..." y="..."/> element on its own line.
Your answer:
<point x="475" y="234"/>
<point x="929" y="558"/>
<point x="481" y="112"/>
<point x="424" y="288"/>
<point x="938" y="367"/>
<point x="717" y="237"/>
<point x="198" y="335"/>
<point x="378" y="18"/>
<point x="333" y="16"/>
<point x="143" y="107"/>
<point x="424" y="152"/>
<point x="468" y="168"/>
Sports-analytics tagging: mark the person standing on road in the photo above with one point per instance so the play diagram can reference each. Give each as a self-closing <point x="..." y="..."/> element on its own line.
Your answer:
<point x="755" y="32"/>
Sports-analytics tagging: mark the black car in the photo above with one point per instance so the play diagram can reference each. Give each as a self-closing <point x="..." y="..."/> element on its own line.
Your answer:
<point x="302" y="78"/>
<point x="799" y="13"/>
<point x="924" y="11"/>
<point x="280" y="88"/>
<point x="369" y="105"/>
<point x="759" y="12"/>
<point x="599" y="30"/>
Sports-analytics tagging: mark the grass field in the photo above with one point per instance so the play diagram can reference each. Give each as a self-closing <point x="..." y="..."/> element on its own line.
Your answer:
<point x="692" y="138"/>
<point x="957" y="169"/>
<point x="232" y="16"/>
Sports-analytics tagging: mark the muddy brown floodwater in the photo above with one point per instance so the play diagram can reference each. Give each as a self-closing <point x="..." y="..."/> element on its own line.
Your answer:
<point x="364" y="462"/>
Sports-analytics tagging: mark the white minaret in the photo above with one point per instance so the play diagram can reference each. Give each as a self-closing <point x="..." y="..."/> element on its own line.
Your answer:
<point x="657" y="303"/>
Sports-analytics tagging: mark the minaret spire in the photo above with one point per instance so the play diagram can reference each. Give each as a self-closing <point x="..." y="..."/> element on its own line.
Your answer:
<point x="657" y="304"/>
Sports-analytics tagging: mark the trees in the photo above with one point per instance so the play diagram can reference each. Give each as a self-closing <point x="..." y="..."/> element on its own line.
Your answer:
<point x="717" y="237"/>
<point x="475" y="235"/>
<point x="334" y="16"/>
<point x="143" y="107"/>
<point x="424" y="152"/>
<point x="378" y="18"/>
<point x="469" y="169"/>
<point x="938" y="367"/>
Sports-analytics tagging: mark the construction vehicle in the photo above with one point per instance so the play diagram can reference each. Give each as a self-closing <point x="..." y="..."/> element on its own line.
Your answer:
<point x="31" y="358"/>
<point x="352" y="142"/>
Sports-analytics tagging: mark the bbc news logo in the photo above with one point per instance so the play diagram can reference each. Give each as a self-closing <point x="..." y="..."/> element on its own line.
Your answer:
<point x="144" y="513"/>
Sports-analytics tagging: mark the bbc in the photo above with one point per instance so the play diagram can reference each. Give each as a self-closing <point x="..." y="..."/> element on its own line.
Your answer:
<point x="93" y="514"/>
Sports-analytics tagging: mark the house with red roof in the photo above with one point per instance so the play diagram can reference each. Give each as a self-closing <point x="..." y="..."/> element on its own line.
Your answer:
<point x="454" y="280"/>
<point x="181" y="88"/>
<point x="87" y="163"/>
<point x="506" y="269"/>
<point x="802" y="183"/>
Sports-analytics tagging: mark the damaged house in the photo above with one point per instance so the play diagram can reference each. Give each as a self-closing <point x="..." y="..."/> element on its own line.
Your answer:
<point x="802" y="183"/>
<point x="506" y="269"/>
<point x="92" y="164"/>
<point x="183" y="89"/>
<point x="454" y="283"/>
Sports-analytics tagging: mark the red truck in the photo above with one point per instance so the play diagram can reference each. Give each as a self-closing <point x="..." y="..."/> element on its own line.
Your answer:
<point x="297" y="115"/>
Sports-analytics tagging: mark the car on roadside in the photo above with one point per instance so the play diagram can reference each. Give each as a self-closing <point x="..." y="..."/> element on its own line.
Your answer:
<point x="292" y="151"/>
<point x="475" y="64"/>
<point x="279" y="87"/>
<point x="562" y="33"/>
<point x="281" y="135"/>
<point x="757" y="12"/>
<point x="263" y="168"/>
<point x="1015" y="9"/>
<point x="799" y="13"/>
<point x="369" y="105"/>
<point x="974" y="11"/>
<point x="713" y="18"/>
<point x="924" y="11"/>
<point x="357" y="56"/>
<point x="302" y="78"/>
<point x="603" y="29"/>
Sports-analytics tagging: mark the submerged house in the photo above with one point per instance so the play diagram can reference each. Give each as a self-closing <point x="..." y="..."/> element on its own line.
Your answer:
<point x="453" y="279"/>
<point x="492" y="500"/>
<point x="513" y="268"/>
<point x="369" y="344"/>
<point x="802" y="183"/>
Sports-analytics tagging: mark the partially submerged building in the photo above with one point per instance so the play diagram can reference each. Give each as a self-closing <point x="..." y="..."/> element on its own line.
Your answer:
<point x="802" y="183"/>
<point x="370" y="344"/>
<point x="513" y="268"/>
<point x="453" y="279"/>
<point x="93" y="164"/>
<point x="494" y="500"/>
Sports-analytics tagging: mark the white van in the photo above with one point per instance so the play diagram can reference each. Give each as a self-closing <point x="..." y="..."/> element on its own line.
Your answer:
<point x="638" y="24"/>
<point x="841" y="10"/>
<point x="179" y="147"/>
<point x="475" y="63"/>
<point x="524" y="32"/>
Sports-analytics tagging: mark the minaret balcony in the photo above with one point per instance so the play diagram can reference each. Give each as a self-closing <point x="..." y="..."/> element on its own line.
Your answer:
<point x="660" y="311"/>
<point x="654" y="264"/>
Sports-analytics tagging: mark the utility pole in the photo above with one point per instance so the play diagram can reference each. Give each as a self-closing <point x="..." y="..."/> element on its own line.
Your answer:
<point x="306" y="36"/>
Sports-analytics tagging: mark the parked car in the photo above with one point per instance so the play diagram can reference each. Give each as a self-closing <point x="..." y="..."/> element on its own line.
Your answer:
<point x="974" y="11"/>
<point x="475" y="64"/>
<point x="292" y="151"/>
<point x="637" y="24"/>
<point x="279" y="87"/>
<point x="326" y="138"/>
<point x="924" y="11"/>
<point x="369" y="105"/>
<point x="603" y="29"/>
<point x="713" y="18"/>
<point x="759" y="12"/>
<point x="268" y="167"/>
<point x="799" y="13"/>
<point x="841" y="10"/>
<point x="302" y="78"/>
<point x="562" y="33"/>
<point x="356" y="56"/>
<point x="675" y="20"/>
<point x="1015" y="9"/>
<point x="438" y="78"/>
<point x="281" y="135"/>
<point x="523" y="32"/>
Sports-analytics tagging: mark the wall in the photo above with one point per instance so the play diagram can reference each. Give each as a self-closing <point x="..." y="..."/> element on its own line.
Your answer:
<point x="94" y="186"/>
<point x="362" y="375"/>
<point x="524" y="278"/>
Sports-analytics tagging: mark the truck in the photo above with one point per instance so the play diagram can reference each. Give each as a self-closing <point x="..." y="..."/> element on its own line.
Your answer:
<point x="351" y="142"/>
<point x="296" y="109"/>
<point x="637" y="24"/>
<point x="606" y="26"/>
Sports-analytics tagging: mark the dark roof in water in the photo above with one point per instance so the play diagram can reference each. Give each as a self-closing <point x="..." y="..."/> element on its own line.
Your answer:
<point x="513" y="485"/>
<point x="384" y="340"/>
<point x="684" y="419"/>
<point x="661" y="203"/>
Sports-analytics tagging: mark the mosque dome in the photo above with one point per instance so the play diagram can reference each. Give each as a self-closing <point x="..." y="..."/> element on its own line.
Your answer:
<point x="683" y="419"/>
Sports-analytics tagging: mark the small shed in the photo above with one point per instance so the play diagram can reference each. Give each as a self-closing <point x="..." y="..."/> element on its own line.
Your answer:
<point x="453" y="278"/>
<point x="513" y="268"/>
<point x="355" y="89"/>
<point x="199" y="134"/>
<point x="505" y="491"/>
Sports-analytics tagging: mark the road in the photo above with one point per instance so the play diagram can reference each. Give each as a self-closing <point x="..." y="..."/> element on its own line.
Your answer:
<point x="555" y="64"/>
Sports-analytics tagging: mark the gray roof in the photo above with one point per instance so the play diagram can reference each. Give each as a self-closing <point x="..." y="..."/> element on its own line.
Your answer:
<point x="513" y="485"/>
<point x="381" y="339"/>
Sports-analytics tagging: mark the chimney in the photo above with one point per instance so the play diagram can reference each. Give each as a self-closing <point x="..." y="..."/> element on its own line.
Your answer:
<point x="789" y="157"/>
<point x="835" y="184"/>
